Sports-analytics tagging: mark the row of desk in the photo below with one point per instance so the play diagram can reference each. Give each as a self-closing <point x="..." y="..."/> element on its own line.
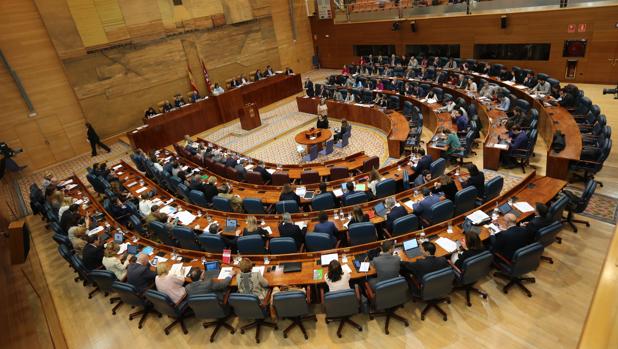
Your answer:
<point x="207" y="113"/>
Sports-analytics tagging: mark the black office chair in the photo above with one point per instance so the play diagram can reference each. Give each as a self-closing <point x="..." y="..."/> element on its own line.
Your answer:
<point x="579" y="204"/>
<point x="208" y="306"/>
<point x="342" y="305"/>
<point x="294" y="306"/>
<point x="386" y="297"/>
<point x="104" y="279"/>
<point x="129" y="295"/>
<point x="525" y="260"/>
<point x="547" y="236"/>
<point x="248" y="306"/>
<point x="435" y="288"/>
<point x="472" y="270"/>
<point x="164" y="305"/>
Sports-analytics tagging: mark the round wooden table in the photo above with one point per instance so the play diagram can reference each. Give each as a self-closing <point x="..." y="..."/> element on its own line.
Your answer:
<point x="313" y="136"/>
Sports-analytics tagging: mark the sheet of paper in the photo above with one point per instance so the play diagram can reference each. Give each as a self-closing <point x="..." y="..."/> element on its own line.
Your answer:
<point x="364" y="267"/>
<point x="131" y="184"/>
<point x="271" y="170"/>
<point x="95" y="230"/>
<point x="301" y="224"/>
<point x="117" y="166"/>
<point x="338" y="192"/>
<point x="410" y="204"/>
<point x="168" y="210"/>
<point x="259" y="269"/>
<point x="346" y="268"/>
<point x="300" y="191"/>
<point x="327" y="258"/>
<point x="141" y="190"/>
<point x="477" y="217"/>
<point x="523" y="207"/>
<point x="185" y="217"/>
<point x="501" y="146"/>
<point x="225" y="272"/>
<point x="176" y="269"/>
<point x="447" y="244"/>
<point x="122" y="247"/>
<point x="269" y="230"/>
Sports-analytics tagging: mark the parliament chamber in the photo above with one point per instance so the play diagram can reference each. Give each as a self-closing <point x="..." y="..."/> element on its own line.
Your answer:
<point x="318" y="173"/>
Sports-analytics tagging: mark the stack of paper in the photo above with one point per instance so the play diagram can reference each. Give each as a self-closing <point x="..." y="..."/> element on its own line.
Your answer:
<point x="410" y="204"/>
<point x="338" y="192"/>
<point x="131" y="184"/>
<point x="140" y="190"/>
<point x="501" y="146"/>
<point x="271" y="170"/>
<point x="523" y="207"/>
<point x="364" y="267"/>
<point x="95" y="230"/>
<point x="327" y="258"/>
<point x="225" y="272"/>
<point x="478" y="217"/>
<point x="168" y="210"/>
<point x="185" y="217"/>
<point x="447" y="244"/>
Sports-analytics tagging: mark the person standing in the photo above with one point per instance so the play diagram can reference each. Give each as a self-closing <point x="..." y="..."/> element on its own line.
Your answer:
<point x="94" y="140"/>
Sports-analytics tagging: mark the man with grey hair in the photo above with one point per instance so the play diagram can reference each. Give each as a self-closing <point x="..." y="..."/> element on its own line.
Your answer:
<point x="511" y="239"/>
<point x="139" y="273"/>
<point x="287" y="228"/>
<point x="240" y="169"/>
<point x="394" y="212"/>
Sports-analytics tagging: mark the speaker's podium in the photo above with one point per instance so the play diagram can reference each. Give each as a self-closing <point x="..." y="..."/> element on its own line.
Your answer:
<point x="250" y="116"/>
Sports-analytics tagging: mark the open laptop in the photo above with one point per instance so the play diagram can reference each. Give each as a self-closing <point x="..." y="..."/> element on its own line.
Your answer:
<point x="380" y="209"/>
<point x="411" y="248"/>
<point x="132" y="249"/>
<point x="118" y="238"/>
<point x="230" y="225"/>
<point x="292" y="267"/>
<point x="212" y="269"/>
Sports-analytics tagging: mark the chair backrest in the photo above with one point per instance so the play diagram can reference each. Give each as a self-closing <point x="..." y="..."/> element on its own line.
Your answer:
<point x="391" y="293"/>
<point x="280" y="178"/>
<point x="246" y="306"/>
<point x="56" y="228"/>
<point x="437" y="168"/>
<point x="104" y="279"/>
<point x="386" y="188"/>
<point x="356" y="198"/>
<point x="393" y="102"/>
<point x="253" y="206"/>
<point x="589" y="190"/>
<point x="207" y="306"/>
<point x="323" y="201"/>
<point x="547" y="235"/>
<point x="493" y="187"/>
<point x="290" y="206"/>
<point x="220" y="203"/>
<point x="476" y="267"/>
<point x="407" y="108"/>
<point x="310" y="177"/>
<point x="162" y="303"/>
<point x="338" y="173"/>
<point x="198" y="198"/>
<point x="186" y="238"/>
<point x="437" y="284"/>
<point x="290" y="304"/>
<point x="341" y="303"/>
<point x="211" y="243"/>
<point x="362" y="233"/>
<point x="328" y="147"/>
<point x="557" y="208"/>
<point x="441" y="211"/>
<point x="282" y="245"/>
<point x="318" y="242"/>
<point x="526" y="259"/>
<point x="128" y="294"/>
<point x="371" y="163"/>
<point x="161" y="233"/>
<point x="183" y="190"/>
<point x="465" y="200"/>
<point x="405" y="224"/>
<point x="313" y="153"/>
<point x="251" y="244"/>
<point x="254" y="177"/>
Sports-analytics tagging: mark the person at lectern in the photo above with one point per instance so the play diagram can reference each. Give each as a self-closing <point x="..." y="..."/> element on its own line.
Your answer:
<point x="217" y="90"/>
<point x="179" y="101"/>
<point x="322" y="115"/>
<point x="309" y="87"/>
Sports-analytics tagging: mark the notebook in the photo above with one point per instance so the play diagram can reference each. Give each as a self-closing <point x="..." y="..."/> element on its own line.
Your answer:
<point x="292" y="267"/>
<point x="411" y="248"/>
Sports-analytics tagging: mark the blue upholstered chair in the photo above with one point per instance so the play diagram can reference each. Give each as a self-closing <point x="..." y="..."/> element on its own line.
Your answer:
<point x="437" y="168"/>
<point x="221" y="204"/>
<point x="294" y="306"/>
<point x="525" y="260"/>
<point x="130" y="295"/>
<point x="160" y="231"/>
<point x="253" y="206"/>
<point x="386" y="188"/>
<point x="315" y="242"/>
<point x="547" y="236"/>
<point x="440" y="212"/>
<point x="251" y="244"/>
<point x="208" y="306"/>
<point x="386" y="297"/>
<point x="435" y="288"/>
<point x="198" y="198"/>
<point x="290" y="206"/>
<point x="361" y="233"/>
<point x="356" y="198"/>
<point x="104" y="280"/>
<point x="472" y="270"/>
<point x="249" y="307"/>
<point x="312" y="155"/>
<point x="465" y="200"/>
<point x="164" y="305"/>
<point x="282" y="245"/>
<point x="211" y="243"/>
<point x="328" y="147"/>
<point x="341" y="306"/>
<point x="323" y="201"/>
<point x="405" y="224"/>
<point x="186" y="238"/>
<point x="493" y="187"/>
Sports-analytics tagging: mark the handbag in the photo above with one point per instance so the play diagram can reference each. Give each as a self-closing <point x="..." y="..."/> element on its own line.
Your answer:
<point x="558" y="142"/>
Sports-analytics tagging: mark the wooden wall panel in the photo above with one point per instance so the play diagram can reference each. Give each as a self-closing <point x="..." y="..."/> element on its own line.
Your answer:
<point x="61" y="27"/>
<point x="143" y="19"/>
<point x="57" y="132"/>
<point x="87" y="21"/>
<point x="237" y="11"/>
<point x="528" y="27"/>
<point x="294" y="53"/>
<point x="112" y="20"/>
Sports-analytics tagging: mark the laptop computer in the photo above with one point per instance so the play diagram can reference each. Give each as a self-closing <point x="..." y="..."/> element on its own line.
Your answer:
<point x="132" y="249"/>
<point x="292" y="267"/>
<point x="308" y="195"/>
<point x="118" y="238"/>
<point x="380" y="209"/>
<point x="212" y="269"/>
<point x="230" y="225"/>
<point x="411" y="248"/>
<point x="505" y="208"/>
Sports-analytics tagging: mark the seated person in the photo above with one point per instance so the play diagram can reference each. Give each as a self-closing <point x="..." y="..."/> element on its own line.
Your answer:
<point x="380" y="100"/>
<point x="530" y="81"/>
<point x="476" y="178"/>
<point x="196" y="183"/>
<point x="423" y="178"/>
<point x="195" y="96"/>
<point x="324" y="189"/>
<point x="167" y="106"/>
<point x="253" y="228"/>
<point x="287" y="228"/>
<point x="202" y="285"/>
<point x="171" y="285"/>
<point x="471" y="86"/>
<point x="322" y="122"/>
<point x="421" y="208"/>
<point x="540" y="220"/>
<point x="471" y="245"/>
<point x="460" y="120"/>
<point x="309" y="88"/>
<point x="289" y="71"/>
<point x="431" y="97"/>
<point x="251" y="282"/>
<point x="179" y="101"/>
<point x="511" y="239"/>
<point x="229" y="241"/>
<point x="345" y="127"/>
<point x="452" y="143"/>
<point x="77" y="236"/>
<point x="423" y="266"/>
<point x="379" y="87"/>
<point x="374" y="179"/>
<point x="349" y="190"/>
<point x="217" y="90"/>
<point x="70" y="217"/>
<point x="423" y="163"/>
<point x="225" y="191"/>
<point x="139" y="273"/>
<point x="506" y="75"/>
<point x="542" y="87"/>
<point x="386" y="264"/>
<point x="261" y="168"/>
<point x="288" y="193"/>
<point x="338" y="96"/>
<point x="258" y="75"/>
<point x="336" y="279"/>
<point x="519" y="140"/>
<point x="235" y="83"/>
<point x="350" y="97"/>
<point x="269" y="71"/>
<point x="243" y="80"/>
<point x="393" y="212"/>
<point x="326" y="226"/>
<point x="150" y="112"/>
<point x="120" y="211"/>
<point x="210" y="189"/>
<point x="93" y="252"/>
<point x="446" y="186"/>
<point x="358" y="216"/>
<point x="241" y="170"/>
<point x="114" y="262"/>
<point x="505" y="103"/>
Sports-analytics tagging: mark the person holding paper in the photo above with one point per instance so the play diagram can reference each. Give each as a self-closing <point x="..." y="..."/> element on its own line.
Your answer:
<point x="287" y="193"/>
<point x="421" y="208"/>
<point x="511" y="239"/>
<point x="114" y="262"/>
<point x="139" y="273"/>
<point x="471" y="246"/>
<point x="426" y="265"/>
<point x="171" y="285"/>
<point x="202" y="285"/>
<point x="337" y="279"/>
<point x="445" y="186"/>
<point x="250" y="282"/>
<point x="253" y="228"/>
<point x="386" y="264"/>
<point x="287" y="228"/>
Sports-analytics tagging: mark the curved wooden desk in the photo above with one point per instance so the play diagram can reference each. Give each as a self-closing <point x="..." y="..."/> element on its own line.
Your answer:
<point x="312" y="137"/>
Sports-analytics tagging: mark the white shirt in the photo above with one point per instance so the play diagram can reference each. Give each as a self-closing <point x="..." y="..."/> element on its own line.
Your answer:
<point x="341" y="284"/>
<point x="144" y="207"/>
<point x="217" y="91"/>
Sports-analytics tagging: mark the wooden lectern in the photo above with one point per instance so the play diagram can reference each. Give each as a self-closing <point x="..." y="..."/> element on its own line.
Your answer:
<point x="19" y="241"/>
<point x="250" y="116"/>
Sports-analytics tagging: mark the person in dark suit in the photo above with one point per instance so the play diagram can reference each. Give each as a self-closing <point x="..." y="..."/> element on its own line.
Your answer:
<point x="540" y="220"/>
<point x="446" y="186"/>
<point x="119" y="211"/>
<point x="139" y="273"/>
<point x="345" y="127"/>
<point x="94" y="140"/>
<point x="240" y="169"/>
<point x="289" y="71"/>
<point x="231" y="161"/>
<point x="349" y="186"/>
<point x="195" y="96"/>
<point x="150" y="112"/>
<point x="476" y="179"/>
<point x="422" y="178"/>
<point x="287" y="193"/>
<point x="167" y="106"/>
<point x="325" y="226"/>
<point x="423" y="163"/>
<point x="471" y="246"/>
<point x="287" y="228"/>
<point x="258" y="75"/>
<point x="70" y="217"/>
<point x="309" y="87"/>
<point x="210" y="189"/>
<point x="269" y="71"/>
<point x="92" y="254"/>
<point x="423" y="266"/>
<point x="324" y="189"/>
<point x="394" y="212"/>
<point x="386" y="264"/>
<point x="421" y="209"/>
<point x="261" y="168"/>
<point x="235" y="83"/>
<point x="179" y="101"/>
<point x="202" y="285"/>
<point x="511" y="239"/>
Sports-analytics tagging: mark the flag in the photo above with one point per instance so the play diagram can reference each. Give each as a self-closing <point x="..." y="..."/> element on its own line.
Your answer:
<point x="191" y="81"/>
<point x="206" y="79"/>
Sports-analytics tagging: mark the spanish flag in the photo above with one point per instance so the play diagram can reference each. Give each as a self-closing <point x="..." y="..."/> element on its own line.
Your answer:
<point x="191" y="81"/>
<point x="206" y="78"/>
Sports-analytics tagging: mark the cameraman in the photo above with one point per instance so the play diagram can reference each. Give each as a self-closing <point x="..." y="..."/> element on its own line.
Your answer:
<point x="7" y="161"/>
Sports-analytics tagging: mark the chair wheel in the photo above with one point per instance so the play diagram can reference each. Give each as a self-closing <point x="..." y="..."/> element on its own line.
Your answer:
<point x="276" y="327"/>
<point x="167" y="333"/>
<point x="405" y="323"/>
<point x="242" y="331"/>
<point x="140" y="327"/>
<point x="338" y="335"/>
<point x="212" y="340"/>
<point x="370" y="317"/>
<point x="285" y="335"/>
<point x="361" y="329"/>
<point x="306" y="337"/>
<point x="588" y="225"/>
<point x="257" y="340"/>
<point x="444" y="318"/>
<point x="423" y="317"/>
<point x="328" y="322"/>
<point x="448" y="301"/>
<point x="386" y="332"/>
<point x="529" y="296"/>
<point x="232" y="331"/>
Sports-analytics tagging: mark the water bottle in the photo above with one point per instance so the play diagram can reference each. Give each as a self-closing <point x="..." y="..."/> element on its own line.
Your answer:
<point x="423" y="239"/>
<point x="494" y="215"/>
<point x="341" y="213"/>
<point x="450" y="228"/>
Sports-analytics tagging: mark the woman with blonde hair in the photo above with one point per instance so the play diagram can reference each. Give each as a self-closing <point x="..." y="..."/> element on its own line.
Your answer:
<point x="171" y="285"/>
<point x="77" y="236"/>
<point x="114" y="263"/>
<point x="374" y="179"/>
<point x="253" y="228"/>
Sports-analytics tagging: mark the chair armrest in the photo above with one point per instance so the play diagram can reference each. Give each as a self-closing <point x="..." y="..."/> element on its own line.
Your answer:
<point x="302" y="247"/>
<point x="322" y="295"/>
<point x="386" y="233"/>
<point x="181" y="299"/>
<point x="308" y="294"/>
<point x="357" y="291"/>
<point x="338" y="243"/>
<point x="369" y="291"/>
<point x="504" y="259"/>
<point x="267" y="245"/>
<point x="455" y="269"/>
<point x="589" y="162"/>
<point x="227" y="295"/>
<point x="264" y="304"/>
